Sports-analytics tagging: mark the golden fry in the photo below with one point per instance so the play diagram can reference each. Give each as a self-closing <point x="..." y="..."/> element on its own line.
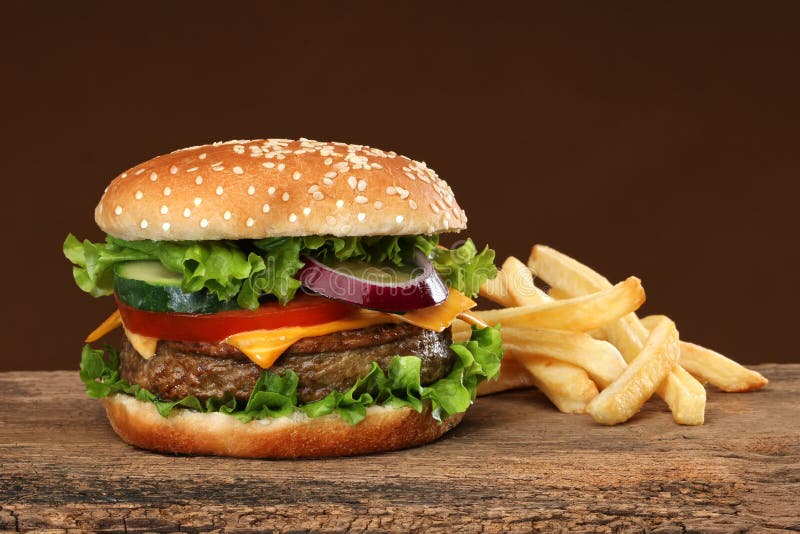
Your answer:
<point x="579" y="314"/>
<point x="601" y="360"/>
<point x="625" y="397"/>
<point x="713" y="367"/>
<point x="567" y="386"/>
<point x="568" y="277"/>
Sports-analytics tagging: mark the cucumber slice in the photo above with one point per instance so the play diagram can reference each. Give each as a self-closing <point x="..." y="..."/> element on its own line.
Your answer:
<point x="148" y="285"/>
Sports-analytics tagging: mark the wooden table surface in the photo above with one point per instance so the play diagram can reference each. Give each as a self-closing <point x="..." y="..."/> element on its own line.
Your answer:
<point x="514" y="464"/>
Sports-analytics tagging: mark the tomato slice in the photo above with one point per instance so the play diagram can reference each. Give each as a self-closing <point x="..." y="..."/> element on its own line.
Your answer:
<point x="303" y="310"/>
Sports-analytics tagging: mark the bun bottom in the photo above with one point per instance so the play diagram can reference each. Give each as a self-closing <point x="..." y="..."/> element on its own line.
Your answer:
<point x="296" y="436"/>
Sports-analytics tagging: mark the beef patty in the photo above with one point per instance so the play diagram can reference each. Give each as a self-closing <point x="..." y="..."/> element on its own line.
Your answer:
<point x="323" y="363"/>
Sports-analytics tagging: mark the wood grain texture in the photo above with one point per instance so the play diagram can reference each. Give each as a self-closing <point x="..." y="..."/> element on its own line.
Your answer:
<point x="514" y="464"/>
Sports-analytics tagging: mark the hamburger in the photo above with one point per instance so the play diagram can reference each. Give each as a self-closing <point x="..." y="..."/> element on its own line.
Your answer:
<point x="283" y="298"/>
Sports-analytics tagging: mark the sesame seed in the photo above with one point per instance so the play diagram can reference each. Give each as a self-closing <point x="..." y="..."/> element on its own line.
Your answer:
<point x="297" y="175"/>
<point x="140" y="171"/>
<point x="285" y="196"/>
<point x="271" y="191"/>
<point x="239" y="149"/>
<point x="327" y="181"/>
<point x="317" y="195"/>
<point x="220" y="190"/>
<point x="339" y="203"/>
<point x="352" y="182"/>
<point x="250" y="221"/>
<point x="118" y="210"/>
<point x="410" y="176"/>
<point x="203" y="223"/>
<point x="251" y="190"/>
<point x="237" y="170"/>
<point x="153" y="176"/>
<point x="330" y="220"/>
<point x="167" y="191"/>
<point x="268" y="165"/>
<point x="412" y="204"/>
<point x="197" y="201"/>
<point x="292" y="217"/>
<point x="173" y="170"/>
<point x="143" y="224"/>
<point x="265" y="208"/>
<point x="362" y="216"/>
<point x="217" y="168"/>
<point x="202" y="156"/>
<point x="378" y="204"/>
<point x="328" y="161"/>
<point x="192" y="169"/>
<point x="330" y="174"/>
<point x="123" y="175"/>
<point x="281" y="166"/>
<point x="138" y="195"/>
<point x="313" y="188"/>
<point x="227" y="215"/>
<point x="391" y="190"/>
<point x="187" y="212"/>
<point x="198" y="180"/>
<point x="306" y="211"/>
<point x="164" y="209"/>
<point x="361" y="199"/>
<point x="398" y="219"/>
<point x="362" y="185"/>
<point x="165" y="226"/>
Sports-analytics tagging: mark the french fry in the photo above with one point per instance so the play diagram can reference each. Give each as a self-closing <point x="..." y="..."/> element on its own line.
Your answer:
<point x="578" y="314"/>
<point x="496" y="290"/>
<point x="713" y="367"/>
<point x="685" y="396"/>
<point x="625" y="397"/>
<point x="513" y="375"/>
<point x="600" y="359"/>
<point x="567" y="386"/>
<point x="520" y="286"/>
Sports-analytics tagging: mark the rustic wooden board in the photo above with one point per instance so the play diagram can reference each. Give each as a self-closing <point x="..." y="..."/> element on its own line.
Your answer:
<point x="515" y="464"/>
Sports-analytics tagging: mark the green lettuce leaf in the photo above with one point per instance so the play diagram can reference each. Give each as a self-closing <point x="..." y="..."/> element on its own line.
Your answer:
<point x="275" y="395"/>
<point x="464" y="268"/>
<point x="248" y="270"/>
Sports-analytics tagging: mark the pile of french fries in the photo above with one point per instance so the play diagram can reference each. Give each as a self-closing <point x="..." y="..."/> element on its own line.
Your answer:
<point x="584" y="347"/>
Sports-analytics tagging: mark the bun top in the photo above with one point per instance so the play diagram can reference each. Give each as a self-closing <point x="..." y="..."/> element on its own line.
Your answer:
<point x="277" y="187"/>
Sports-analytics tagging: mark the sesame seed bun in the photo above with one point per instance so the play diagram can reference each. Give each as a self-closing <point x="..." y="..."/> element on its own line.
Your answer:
<point x="277" y="187"/>
<point x="298" y="436"/>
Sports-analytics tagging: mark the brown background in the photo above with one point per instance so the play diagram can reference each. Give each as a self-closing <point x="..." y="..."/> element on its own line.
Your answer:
<point x="656" y="139"/>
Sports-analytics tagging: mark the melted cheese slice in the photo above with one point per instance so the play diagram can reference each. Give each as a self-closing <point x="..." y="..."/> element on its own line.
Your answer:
<point x="263" y="347"/>
<point x="442" y="315"/>
<point x="144" y="345"/>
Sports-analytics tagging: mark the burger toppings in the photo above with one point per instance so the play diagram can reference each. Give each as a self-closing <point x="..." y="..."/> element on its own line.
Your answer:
<point x="322" y="363"/>
<point x="302" y="311"/>
<point x="248" y="271"/>
<point x="395" y="289"/>
<point x="276" y="395"/>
